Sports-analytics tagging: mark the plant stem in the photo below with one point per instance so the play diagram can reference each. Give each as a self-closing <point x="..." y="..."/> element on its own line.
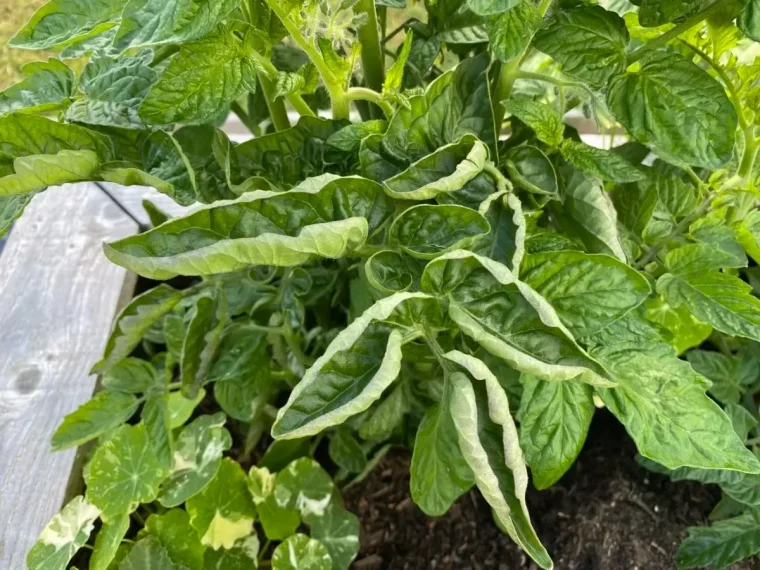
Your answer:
<point x="363" y="94"/>
<point x="747" y="163"/>
<point x="276" y="106"/>
<point x="675" y="31"/>
<point x="294" y="99"/>
<point x="372" y="53"/>
<point x="555" y="81"/>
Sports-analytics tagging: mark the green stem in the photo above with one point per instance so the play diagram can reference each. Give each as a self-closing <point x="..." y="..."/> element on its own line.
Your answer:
<point x="747" y="164"/>
<point x="372" y="53"/>
<point x="296" y="100"/>
<point x="555" y="81"/>
<point x="276" y="106"/>
<point x="363" y="94"/>
<point x="676" y="31"/>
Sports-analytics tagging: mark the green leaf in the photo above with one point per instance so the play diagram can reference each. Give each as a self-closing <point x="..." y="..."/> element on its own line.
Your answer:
<point x="741" y="487"/>
<point x="155" y="417"/>
<point x="742" y="420"/>
<point x="358" y="365"/>
<point x="167" y="167"/>
<point x="395" y="73"/>
<point x="223" y="512"/>
<point x="278" y="522"/>
<point x="508" y="318"/>
<point x="720" y="544"/>
<point x="447" y="169"/>
<point x="37" y="172"/>
<point x="63" y="536"/>
<point x="197" y="459"/>
<point x="349" y="138"/>
<point x="107" y="542"/>
<point x="725" y="373"/>
<point x="686" y="331"/>
<point x="155" y="22"/>
<point x="531" y="170"/>
<point x="389" y="272"/>
<point x="505" y="242"/>
<point x="130" y="375"/>
<point x="554" y="421"/>
<point x="335" y="216"/>
<point x="662" y="403"/>
<point x="489" y="442"/>
<point x="148" y="554"/>
<point x="511" y="32"/>
<point x="388" y="415"/>
<point x="304" y="486"/>
<point x="123" y="472"/>
<point x="11" y="208"/>
<point x="299" y="552"/>
<point x="338" y="530"/>
<point x="749" y="20"/>
<point x="439" y="472"/>
<point x="47" y="86"/>
<point x="181" y="408"/>
<point x="603" y="163"/>
<point x="243" y="556"/>
<point x="588" y="291"/>
<point x="541" y="118"/>
<point x="265" y="23"/>
<point x="589" y="43"/>
<point x="427" y="231"/>
<point x="658" y="12"/>
<point x="201" y="81"/>
<point x="346" y="452"/>
<point x="590" y="213"/>
<point x="304" y="81"/>
<point x="113" y="91"/>
<point x="175" y="533"/>
<point x="104" y="412"/>
<point x="62" y="22"/>
<point x="206" y="322"/>
<point x="718" y="299"/>
<point x="134" y="321"/>
<point x="490" y="7"/>
<point x="677" y="109"/>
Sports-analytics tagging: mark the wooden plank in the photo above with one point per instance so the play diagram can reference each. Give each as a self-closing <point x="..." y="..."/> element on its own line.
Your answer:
<point x="59" y="297"/>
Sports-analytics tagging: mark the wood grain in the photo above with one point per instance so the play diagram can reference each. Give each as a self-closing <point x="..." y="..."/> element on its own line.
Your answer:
<point x="59" y="297"/>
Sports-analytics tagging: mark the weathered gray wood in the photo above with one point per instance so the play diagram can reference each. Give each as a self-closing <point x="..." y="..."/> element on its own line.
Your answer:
<point x="59" y="296"/>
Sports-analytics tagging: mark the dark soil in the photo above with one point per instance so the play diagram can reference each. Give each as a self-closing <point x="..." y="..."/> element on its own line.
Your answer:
<point x="607" y="513"/>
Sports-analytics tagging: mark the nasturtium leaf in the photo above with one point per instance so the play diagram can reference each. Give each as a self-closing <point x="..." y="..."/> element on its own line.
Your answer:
<point x="107" y="410"/>
<point x="749" y="20"/>
<point x="206" y="322"/>
<point x="686" y="331"/>
<point x="59" y="23"/>
<point x="148" y="554"/>
<point x="489" y="442"/>
<point x="508" y="318"/>
<point x="130" y="375"/>
<point x="426" y="231"/>
<point x="278" y="522"/>
<point x="456" y="104"/>
<point x="676" y="108"/>
<point x="346" y="452"/>
<point x="197" y="457"/>
<point x="603" y="163"/>
<point x="554" y="421"/>
<point x="545" y="121"/>
<point x="662" y="403"/>
<point x="725" y="373"/>
<point x="326" y="216"/>
<point x="175" y="533"/>
<point x="388" y="415"/>
<point x="389" y="272"/>
<point x="11" y="208"/>
<point x="223" y="512"/>
<point x="358" y="365"/>
<point x="445" y="170"/>
<point x="589" y="43"/>
<point x="123" y="472"/>
<point x="510" y="32"/>
<point x="299" y="552"/>
<point x="113" y="91"/>
<point x="133" y="323"/>
<point x="304" y="486"/>
<point x="107" y="542"/>
<point x="530" y="169"/>
<point x="47" y="86"/>
<point x="588" y="291"/>
<point x="338" y="530"/>
<point x="63" y="536"/>
<point x="201" y="80"/>
<point x="154" y="22"/>
<point x="243" y="556"/>
<point x="654" y="13"/>
<point x="439" y="472"/>
<point x="180" y="408"/>
<point x="589" y="213"/>
<point x="720" y="544"/>
<point x="260" y="483"/>
<point x="38" y="171"/>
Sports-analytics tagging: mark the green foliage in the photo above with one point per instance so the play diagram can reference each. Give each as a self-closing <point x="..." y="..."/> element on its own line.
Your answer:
<point x="414" y="274"/>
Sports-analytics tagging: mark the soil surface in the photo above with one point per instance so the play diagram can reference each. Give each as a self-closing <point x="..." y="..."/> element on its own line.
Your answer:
<point x="606" y="513"/>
